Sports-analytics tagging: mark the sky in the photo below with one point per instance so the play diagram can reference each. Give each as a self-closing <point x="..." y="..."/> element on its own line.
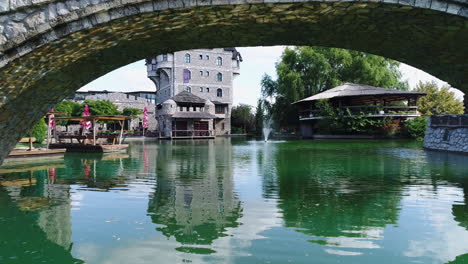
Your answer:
<point x="257" y="62"/>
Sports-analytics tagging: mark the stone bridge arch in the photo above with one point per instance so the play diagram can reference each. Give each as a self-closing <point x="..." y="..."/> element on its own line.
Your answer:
<point x="50" y="48"/>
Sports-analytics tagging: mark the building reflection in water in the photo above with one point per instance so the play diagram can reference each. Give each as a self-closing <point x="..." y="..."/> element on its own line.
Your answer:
<point x="194" y="200"/>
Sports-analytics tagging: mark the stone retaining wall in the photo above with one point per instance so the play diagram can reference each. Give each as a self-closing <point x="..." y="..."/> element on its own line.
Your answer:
<point x="447" y="133"/>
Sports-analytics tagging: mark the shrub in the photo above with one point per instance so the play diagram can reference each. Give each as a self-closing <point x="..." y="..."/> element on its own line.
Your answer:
<point x="392" y="127"/>
<point x="39" y="131"/>
<point x="416" y="128"/>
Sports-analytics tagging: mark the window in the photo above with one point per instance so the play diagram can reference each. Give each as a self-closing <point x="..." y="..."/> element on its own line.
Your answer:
<point x="187" y="58"/>
<point x="128" y="96"/>
<point x="207" y="73"/>
<point x="222" y="126"/>
<point x="207" y="89"/>
<point x="219" y="93"/>
<point x="187" y="108"/>
<point x="201" y="57"/>
<point x="201" y="73"/>
<point x="219" y="109"/>
<point x="201" y="89"/>
<point x="188" y="89"/>
<point x="207" y="57"/>
<point x="219" y="77"/>
<point x="181" y="108"/>
<point x="194" y="109"/>
<point x="187" y="75"/>
<point x="219" y="61"/>
<point x="165" y="57"/>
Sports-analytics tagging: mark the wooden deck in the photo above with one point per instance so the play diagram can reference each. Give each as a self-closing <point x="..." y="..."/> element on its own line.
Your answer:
<point x="74" y="147"/>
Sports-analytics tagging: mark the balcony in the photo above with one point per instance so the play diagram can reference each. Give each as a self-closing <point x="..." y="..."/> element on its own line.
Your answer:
<point x="368" y="111"/>
<point x="192" y="134"/>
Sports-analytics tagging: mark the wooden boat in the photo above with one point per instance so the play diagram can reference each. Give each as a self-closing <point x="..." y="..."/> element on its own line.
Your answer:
<point x="91" y="143"/>
<point x="22" y="153"/>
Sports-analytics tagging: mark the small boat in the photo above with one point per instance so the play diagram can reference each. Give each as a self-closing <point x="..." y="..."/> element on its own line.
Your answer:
<point x="98" y="143"/>
<point x="22" y="153"/>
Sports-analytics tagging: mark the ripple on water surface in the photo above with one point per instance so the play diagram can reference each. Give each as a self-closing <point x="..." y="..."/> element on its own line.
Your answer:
<point x="236" y="201"/>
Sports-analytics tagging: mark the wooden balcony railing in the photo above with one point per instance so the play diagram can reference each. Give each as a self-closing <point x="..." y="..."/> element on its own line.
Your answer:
<point x="192" y="133"/>
<point x="367" y="110"/>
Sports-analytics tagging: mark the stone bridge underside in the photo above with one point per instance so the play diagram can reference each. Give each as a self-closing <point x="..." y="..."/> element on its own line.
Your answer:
<point x="50" y="48"/>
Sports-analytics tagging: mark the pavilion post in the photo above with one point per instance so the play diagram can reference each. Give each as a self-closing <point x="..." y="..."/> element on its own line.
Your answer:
<point x="48" y="134"/>
<point x="94" y="131"/>
<point x="121" y="123"/>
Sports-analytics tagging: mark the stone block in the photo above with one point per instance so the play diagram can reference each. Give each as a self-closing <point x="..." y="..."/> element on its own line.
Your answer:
<point x="14" y="4"/>
<point x="453" y="121"/>
<point x="4" y="5"/>
<point x="422" y="3"/>
<point x="439" y="5"/>
<point x="464" y="120"/>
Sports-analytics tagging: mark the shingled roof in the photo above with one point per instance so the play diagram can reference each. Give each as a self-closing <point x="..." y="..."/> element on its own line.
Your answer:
<point x="187" y="97"/>
<point x="351" y="89"/>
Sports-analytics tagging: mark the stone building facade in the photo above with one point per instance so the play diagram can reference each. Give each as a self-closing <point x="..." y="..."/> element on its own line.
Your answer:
<point x="206" y="73"/>
<point x="136" y="99"/>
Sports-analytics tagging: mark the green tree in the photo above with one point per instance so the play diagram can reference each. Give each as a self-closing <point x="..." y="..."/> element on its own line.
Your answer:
<point x="100" y="108"/>
<point x="69" y="107"/>
<point x="132" y="112"/>
<point x="416" y="128"/>
<point x="259" y="118"/>
<point x="39" y="131"/>
<point x="438" y="100"/>
<point x="242" y="119"/>
<point x="305" y="71"/>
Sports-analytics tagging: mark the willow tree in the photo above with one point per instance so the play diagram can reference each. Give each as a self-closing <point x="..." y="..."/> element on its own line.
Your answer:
<point x="305" y="71"/>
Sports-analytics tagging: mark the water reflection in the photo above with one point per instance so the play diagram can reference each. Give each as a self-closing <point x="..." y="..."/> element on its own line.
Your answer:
<point x="234" y="201"/>
<point x="194" y="200"/>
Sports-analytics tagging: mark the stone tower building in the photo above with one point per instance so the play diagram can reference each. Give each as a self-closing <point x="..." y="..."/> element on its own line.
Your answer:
<point x="205" y="73"/>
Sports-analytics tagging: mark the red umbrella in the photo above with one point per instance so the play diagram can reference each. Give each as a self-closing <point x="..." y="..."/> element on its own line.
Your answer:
<point x="51" y="119"/>
<point x="85" y="125"/>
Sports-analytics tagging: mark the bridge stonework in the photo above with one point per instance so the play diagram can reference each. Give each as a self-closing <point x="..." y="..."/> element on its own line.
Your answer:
<point x="50" y="48"/>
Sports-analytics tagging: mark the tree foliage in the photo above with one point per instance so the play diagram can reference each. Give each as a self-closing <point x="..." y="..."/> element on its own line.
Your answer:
<point x="338" y="121"/>
<point x="132" y="112"/>
<point x="438" y="100"/>
<point x="101" y="107"/>
<point x="39" y="131"/>
<point x="416" y="128"/>
<point x="305" y="71"/>
<point x="69" y="107"/>
<point x="242" y="119"/>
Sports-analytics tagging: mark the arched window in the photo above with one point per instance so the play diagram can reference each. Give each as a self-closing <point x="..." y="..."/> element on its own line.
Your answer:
<point x="207" y="89"/>
<point x="219" y="93"/>
<point x="187" y="75"/>
<point x="219" y="61"/>
<point x="219" y="77"/>
<point x="201" y="89"/>
<point x="187" y="58"/>
<point x="189" y="89"/>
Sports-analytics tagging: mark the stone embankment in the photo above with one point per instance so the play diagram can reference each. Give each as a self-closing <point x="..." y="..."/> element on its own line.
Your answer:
<point x="447" y="133"/>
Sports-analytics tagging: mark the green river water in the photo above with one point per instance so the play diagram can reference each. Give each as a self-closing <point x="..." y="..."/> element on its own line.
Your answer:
<point x="238" y="201"/>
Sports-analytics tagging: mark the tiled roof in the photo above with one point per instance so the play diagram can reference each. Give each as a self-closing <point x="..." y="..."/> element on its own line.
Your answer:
<point x="187" y="97"/>
<point x="351" y="89"/>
